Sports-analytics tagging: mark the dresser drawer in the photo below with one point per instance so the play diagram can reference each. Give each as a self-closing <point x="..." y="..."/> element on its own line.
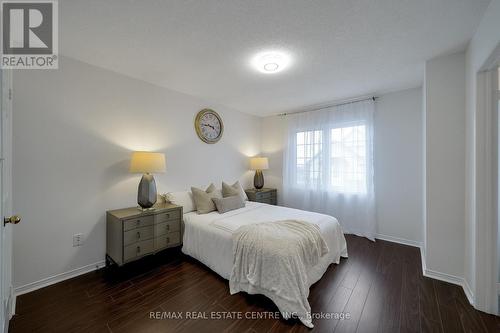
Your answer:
<point x="270" y="201"/>
<point x="138" y="222"/>
<point x="166" y="227"/>
<point x="138" y="250"/>
<point x="166" y="216"/>
<point x="170" y="239"/>
<point x="137" y="235"/>
<point x="263" y="195"/>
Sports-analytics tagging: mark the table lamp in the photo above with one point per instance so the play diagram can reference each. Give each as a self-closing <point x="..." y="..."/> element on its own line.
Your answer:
<point x="258" y="164"/>
<point x="147" y="163"/>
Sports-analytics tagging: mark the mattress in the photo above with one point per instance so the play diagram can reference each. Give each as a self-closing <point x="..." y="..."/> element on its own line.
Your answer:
<point x="208" y="237"/>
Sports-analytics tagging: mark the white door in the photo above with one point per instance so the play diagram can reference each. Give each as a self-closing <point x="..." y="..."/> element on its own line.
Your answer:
<point x="6" y="291"/>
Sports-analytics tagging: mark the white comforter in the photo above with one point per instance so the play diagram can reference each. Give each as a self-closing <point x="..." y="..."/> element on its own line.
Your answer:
<point x="272" y="259"/>
<point x="209" y="237"/>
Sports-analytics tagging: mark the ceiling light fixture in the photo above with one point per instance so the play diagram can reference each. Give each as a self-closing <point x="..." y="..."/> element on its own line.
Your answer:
<point x="271" y="62"/>
<point x="271" y="67"/>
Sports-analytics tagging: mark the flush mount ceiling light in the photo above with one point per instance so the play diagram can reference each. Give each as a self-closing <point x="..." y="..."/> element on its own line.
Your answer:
<point x="271" y="62"/>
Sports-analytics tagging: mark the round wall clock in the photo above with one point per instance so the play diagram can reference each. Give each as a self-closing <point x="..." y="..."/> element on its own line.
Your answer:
<point x="209" y="126"/>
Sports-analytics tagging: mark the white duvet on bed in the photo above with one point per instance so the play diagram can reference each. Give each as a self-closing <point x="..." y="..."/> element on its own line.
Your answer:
<point x="208" y="237"/>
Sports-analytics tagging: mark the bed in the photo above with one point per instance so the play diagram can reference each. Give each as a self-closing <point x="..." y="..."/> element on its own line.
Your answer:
<point x="209" y="237"/>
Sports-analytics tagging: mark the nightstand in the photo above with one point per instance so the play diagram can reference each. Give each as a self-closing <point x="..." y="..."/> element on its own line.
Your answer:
<point x="132" y="233"/>
<point x="264" y="195"/>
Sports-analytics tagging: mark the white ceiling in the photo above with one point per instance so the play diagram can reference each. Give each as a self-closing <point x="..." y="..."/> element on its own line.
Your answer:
<point x="341" y="48"/>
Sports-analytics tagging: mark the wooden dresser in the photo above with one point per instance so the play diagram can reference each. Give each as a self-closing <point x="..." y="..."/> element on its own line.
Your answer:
<point x="132" y="233"/>
<point x="264" y="195"/>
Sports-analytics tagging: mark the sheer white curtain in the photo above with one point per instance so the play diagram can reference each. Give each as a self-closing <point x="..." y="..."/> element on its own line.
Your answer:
<point x="328" y="165"/>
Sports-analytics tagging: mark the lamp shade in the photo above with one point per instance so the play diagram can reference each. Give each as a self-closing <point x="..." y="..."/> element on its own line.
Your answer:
<point x="259" y="163"/>
<point x="146" y="162"/>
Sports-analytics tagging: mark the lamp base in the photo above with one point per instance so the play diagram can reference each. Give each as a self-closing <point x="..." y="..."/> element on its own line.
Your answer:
<point x="146" y="194"/>
<point x="258" y="179"/>
<point x="150" y="209"/>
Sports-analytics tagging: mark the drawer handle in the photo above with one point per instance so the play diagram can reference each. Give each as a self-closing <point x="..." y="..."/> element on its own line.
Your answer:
<point x="138" y="222"/>
<point x="138" y="249"/>
<point x="138" y="234"/>
<point x="167" y="215"/>
<point x="168" y="227"/>
<point x="168" y="240"/>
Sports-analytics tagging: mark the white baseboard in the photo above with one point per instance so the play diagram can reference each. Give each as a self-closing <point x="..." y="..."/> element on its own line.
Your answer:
<point x="422" y="259"/>
<point x="12" y="302"/>
<point x="431" y="273"/>
<point x="399" y="240"/>
<point x="457" y="280"/>
<point x="468" y="292"/>
<point x="57" y="278"/>
<point x="443" y="277"/>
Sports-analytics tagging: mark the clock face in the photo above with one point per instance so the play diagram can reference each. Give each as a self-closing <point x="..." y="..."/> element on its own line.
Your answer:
<point x="209" y="126"/>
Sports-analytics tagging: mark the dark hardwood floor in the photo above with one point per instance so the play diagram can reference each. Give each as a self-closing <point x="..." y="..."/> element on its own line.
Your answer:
<point x="380" y="287"/>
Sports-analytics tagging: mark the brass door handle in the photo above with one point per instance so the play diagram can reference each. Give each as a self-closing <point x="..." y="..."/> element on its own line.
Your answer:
<point x="14" y="219"/>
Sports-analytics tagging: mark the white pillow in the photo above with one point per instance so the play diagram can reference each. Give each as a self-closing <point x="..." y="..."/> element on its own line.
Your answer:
<point x="184" y="199"/>
<point x="240" y="189"/>
<point x="219" y="192"/>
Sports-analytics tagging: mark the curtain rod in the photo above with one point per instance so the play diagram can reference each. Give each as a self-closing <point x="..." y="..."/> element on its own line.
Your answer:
<point x="373" y="98"/>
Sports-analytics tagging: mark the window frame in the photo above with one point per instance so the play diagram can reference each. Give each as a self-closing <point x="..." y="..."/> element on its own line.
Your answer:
<point x="327" y="148"/>
<point x="296" y="157"/>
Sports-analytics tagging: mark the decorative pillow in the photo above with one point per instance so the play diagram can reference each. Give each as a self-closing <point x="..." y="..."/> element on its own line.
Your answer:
<point x="235" y="189"/>
<point x="229" y="191"/>
<point x="184" y="199"/>
<point x="203" y="199"/>
<point x="229" y="203"/>
<point x="211" y="188"/>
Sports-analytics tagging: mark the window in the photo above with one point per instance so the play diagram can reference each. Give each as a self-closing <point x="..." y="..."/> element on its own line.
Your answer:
<point x="309" y="157"/>
<point x="335" y="157"/>
<point x="348" y="159"/>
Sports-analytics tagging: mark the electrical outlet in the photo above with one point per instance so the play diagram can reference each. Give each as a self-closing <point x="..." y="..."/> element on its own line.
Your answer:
<point x="77" y="240"/>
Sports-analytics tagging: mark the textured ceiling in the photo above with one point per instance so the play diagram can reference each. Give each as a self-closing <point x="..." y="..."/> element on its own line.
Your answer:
<point x="340" y="48"/>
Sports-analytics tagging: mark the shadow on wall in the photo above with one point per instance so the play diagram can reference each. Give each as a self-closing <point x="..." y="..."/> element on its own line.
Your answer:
<point x="115" y="174"/>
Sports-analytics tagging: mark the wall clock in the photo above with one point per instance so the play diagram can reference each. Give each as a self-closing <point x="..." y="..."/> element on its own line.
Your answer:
<point x="209" y="126"/>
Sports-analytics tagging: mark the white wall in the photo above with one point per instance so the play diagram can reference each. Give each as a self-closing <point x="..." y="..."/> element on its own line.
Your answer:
<point x="74" y="130"/>
<point x="272" y="144"/>
<point x="398" y="154"/>
<point x="398" y="162"/>
<point x="485" y="41"/>
<point x="445" y="167"/>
